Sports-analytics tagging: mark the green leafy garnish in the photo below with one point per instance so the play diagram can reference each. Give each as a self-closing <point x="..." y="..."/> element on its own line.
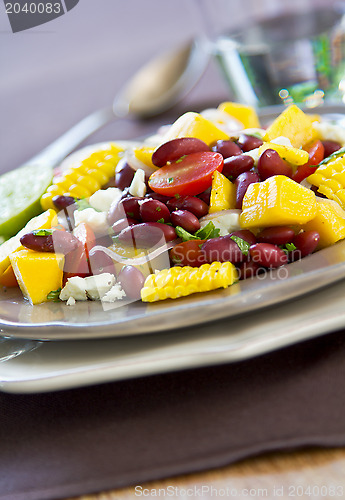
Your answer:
<point x="177" y="196"/>
<point x="83" y="204"/>
<point x="180" y="159"/>
<point x="205" y="233"/>
<point x="170" y="180"/>
<point x="290" y="247"/>
<point x="334" y="155"/>
<point x="42" y="232"/>
<point x="53" y="296"/>
<point x="161" y="220"/>
<point x="243" y="244"/>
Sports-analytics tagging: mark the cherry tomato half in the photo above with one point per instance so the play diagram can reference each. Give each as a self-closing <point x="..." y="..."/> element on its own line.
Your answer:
<point x="188" y="253"/>
<point x="316" y="154"/>
<point x="77" y="261"/>
<point x="190" y="175"/>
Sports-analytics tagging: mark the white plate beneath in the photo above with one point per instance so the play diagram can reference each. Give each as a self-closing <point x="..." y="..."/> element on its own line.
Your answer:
<point x="30" y="366"/>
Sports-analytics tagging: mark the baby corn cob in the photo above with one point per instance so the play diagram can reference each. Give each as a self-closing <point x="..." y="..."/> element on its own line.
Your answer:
<point x="86" y="177"/>
<point x="330" y="180"/>
<point x="181" y="281"/>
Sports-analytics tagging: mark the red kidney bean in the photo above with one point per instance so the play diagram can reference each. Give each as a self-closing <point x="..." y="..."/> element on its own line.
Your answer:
<point x="205" y="196"/>
<point x="267" y="255"/>
<point x="58" y="242"/>
<point x="330" y="147"/>
<point x="157" y="196"/>
<point x="222" y="249"/>
<point x="305" y="243"/>
<point x="249" y="142"/>
<point x="248" y="270"/>
<point x="185" y="219"/>
<point x="236" y="165"/>
<point x="62" y="202"/>
<point x="147" y="234"/>
<point x="154" y="211"/>
<point x="226" y="148"/>
<point x="123" y="175"/>
<point x="245" y="235"/>
<point x="241" y="183"/>
<point x="191" y="203"/>
<point x="270" y="163"/>
<point x="174" y="149"/>
<point x="277" y="235"/>
<point x="121" y="224"/>
<point x="100" y="263"/>
<point x="132" y="281"/>
<point x="128" y="206"/>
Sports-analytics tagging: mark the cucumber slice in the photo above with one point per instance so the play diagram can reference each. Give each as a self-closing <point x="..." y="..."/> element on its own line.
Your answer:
<point x="20" y="193"/>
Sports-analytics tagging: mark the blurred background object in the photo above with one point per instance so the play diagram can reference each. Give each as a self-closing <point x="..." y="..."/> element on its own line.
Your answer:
<point x="56" y="74"/>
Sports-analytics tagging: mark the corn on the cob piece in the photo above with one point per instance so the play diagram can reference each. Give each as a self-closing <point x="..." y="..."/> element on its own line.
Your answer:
<point x="330" y="180"/>
<point x="181" y="281"/>
<point x="86" y="177"/>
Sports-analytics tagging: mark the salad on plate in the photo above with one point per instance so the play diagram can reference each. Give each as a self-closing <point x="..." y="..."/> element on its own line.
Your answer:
<point x="209" y="200"/>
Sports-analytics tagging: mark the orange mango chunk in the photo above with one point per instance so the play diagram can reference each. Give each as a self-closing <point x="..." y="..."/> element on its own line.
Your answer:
<point x="223" y="193"/>
<point x="241" y="112"/>
<point x="195" y="125"/>
<point x="329" y="222"/>
<point x="294" y="124"/>
<point x="37" y="273"/>
<point x="8" y="278"/>
<point x="278" y="201"/>
<point x="293" y="156"/>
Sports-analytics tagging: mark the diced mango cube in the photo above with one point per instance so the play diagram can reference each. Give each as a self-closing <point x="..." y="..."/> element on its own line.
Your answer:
<point x="8" y="278"/>
<point x="194" y="125"/>
<point x="144" y="155"/>
<point x="46" y="220"/>
<point x="223" y="193"/>
<point x="241" y="112"/>
<point x="37" y="273"/>
<point x="294" y="124"/>
<point x="278" y="201"/>
<point x="291" y="155"/>
<point x="329" y="222"/>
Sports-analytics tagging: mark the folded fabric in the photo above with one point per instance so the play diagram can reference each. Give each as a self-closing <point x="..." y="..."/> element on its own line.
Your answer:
<point x="80" y="441"/>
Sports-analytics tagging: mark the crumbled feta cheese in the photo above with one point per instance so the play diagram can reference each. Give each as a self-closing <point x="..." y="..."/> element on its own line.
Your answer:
<point x="97" y="286"/>
<point x="222" y="120"/>
<point x="70" y="301"/>
<point x="114" y="294"/>
<point x="75" y="287"/>
<point x="96" y="220"/>
<point x="282" y="141"/>
<point x="103" y="198"/>
<point x="227" y="222"/>
<point x="138" y="186"/>
<point x="255" y="154"/>
<point x="330" y="132"/>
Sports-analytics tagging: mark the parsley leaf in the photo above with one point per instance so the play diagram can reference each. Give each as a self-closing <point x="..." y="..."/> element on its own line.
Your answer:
<point x="243" y="244"/>
<point x="334" y="155"/>
<point x="205" y="233"/>
<point x="42" y="232"/>
<point x="161" y="220"/>
<point x="83" y="204"/>
<point x="53" y="296"/>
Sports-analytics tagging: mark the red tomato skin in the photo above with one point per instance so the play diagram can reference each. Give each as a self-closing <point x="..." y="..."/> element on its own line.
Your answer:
<point x="316" y="154"/>
<point x="188" y="176"/>
<point x="77" y="262"/>
<point x="188" y="253"/>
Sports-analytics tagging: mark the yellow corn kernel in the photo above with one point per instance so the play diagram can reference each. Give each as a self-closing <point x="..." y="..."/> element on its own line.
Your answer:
<point x="182" y="281"/>
<point x="84" y="178"/>
<point x="223" y="193"/>
<point x="330" y="180"/>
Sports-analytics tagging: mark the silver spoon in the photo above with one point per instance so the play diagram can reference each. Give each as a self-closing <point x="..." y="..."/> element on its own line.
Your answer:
<point x="155" y="88"/>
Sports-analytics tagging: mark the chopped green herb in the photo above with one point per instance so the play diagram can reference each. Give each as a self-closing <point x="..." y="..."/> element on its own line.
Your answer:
<point x="243" y="244"/>
<point x="170" y="180"/>
<point x="42" y="232"/>
<point x="177" y="196"/>
<point x="180" y="159"/>
<point x="161" y="220"/>
<point x="334" y="155"/>
<point x="205" y="233"/>
<point x="158" y="209"/>
<point x="53" y="296"/>
<point x="130" y="214"/>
